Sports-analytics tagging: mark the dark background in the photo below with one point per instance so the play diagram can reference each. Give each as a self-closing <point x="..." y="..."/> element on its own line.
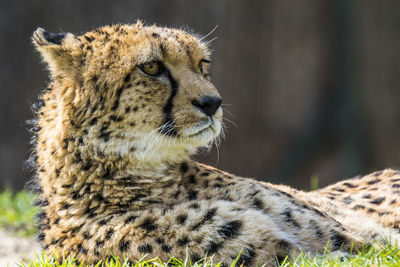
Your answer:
<point x="313" y="86"/>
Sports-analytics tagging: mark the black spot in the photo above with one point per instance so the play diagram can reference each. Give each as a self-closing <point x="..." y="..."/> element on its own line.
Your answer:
<point x="183" y="241"/>
<point x="208" y="216"/>
<point x="192" y="195"/>
<point x="93" y="121"/>
<point x="87" y="165"/>
<point x="146" y="248"/>
<point x="99" y="243"/>
<point x="287" y="214"/>
<point x="130" y="219"/>
<point x="194" y="206"/>
<point x="195" y="258"/>
<point x="184" y="167"/>
<point x="374" y="181"/>
<point x="247" y="256"/>
<point x="166" y="248"/>
<point x="192" y="179"/>
<point x="86" y="235"/>
<point x="348" y="200"/>
<point x="181" y="218"/>
<point x="317" y="230"/>
<point x="338" y="240"/>
<point x="65" y="206"/>
<point x="107" y="175"/>
<point x="176" y="194"/>
<point x="366" y="196"/>
<point x="81" y="249"/>
<point x="230" y="229"/>
<point x="339" y="189"/>
<point x="395" y="185"/>
<point x="280" y="258"/>
<point x="41" y="237"/>
<point x="349" y="185"/>
<point x="109" y="234"/>
<point x="104" y="221"/>
<point x="258" y="204"/>
<point x="213" y="247"/>
<point x="155" y="35"/>
<point x="371" y="210"/>
<point x="378" y="173"/>
<point x="89" y="39"/>
<point x="55" y="38"/>
<point x="377" y="201"/>
<point x="118" y="94"/>
<point x="148" y="224"/>
<point x="124" y="245"/>
<point x="127" y="77"/>
<point x="116" y="118"/>
<point x="160" y="240"/>
<point x="105" y="136"/>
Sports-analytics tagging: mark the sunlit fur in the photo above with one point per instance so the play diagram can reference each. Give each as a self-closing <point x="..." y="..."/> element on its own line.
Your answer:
<point x="114" y="170"/>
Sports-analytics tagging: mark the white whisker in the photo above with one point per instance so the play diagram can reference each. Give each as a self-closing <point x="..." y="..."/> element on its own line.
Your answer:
<point x="208" y="34"/>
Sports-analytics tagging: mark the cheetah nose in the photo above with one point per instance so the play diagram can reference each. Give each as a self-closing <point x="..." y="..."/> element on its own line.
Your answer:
<point x="207" y="104"/>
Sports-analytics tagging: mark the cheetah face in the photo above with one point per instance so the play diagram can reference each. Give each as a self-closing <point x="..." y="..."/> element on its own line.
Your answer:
<point x="136" y="91"/>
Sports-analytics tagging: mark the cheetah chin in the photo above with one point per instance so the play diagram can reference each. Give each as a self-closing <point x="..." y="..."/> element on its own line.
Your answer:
<point x="126" y="107"/>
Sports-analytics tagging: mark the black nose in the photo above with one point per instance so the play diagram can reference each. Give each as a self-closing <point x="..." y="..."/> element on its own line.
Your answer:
<point x="208" y="104"/>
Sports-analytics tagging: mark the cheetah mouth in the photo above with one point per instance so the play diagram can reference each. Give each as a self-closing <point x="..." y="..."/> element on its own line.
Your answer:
<point x="199" y="129"/>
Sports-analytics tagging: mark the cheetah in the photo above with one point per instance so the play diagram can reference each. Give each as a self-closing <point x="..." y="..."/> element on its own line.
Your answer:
<point x="126" y="107"/>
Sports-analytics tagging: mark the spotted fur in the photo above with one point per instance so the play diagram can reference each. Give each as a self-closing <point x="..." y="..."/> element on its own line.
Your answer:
<point x="113" y="166"/>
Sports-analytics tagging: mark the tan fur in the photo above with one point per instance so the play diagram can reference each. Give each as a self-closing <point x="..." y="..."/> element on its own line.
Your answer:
<point x="114" y="167"/>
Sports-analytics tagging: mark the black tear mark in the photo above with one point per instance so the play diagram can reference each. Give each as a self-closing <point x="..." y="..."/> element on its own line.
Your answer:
<point x="167" y="109"/>
<point x="55" y="38"/>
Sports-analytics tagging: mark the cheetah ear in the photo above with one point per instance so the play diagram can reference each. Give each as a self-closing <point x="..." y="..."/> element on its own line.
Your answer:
<point x="59" y="50"/>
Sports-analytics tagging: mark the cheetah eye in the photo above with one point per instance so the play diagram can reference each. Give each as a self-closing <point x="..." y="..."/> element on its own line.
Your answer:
<point x="152" y="68"/>
<point x="202" y="65"/>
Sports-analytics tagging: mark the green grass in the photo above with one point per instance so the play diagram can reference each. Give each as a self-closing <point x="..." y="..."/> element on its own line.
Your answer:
<point x="17" y="216"/>
<point x="385" y="256"/>
<point x="17" y="213"/>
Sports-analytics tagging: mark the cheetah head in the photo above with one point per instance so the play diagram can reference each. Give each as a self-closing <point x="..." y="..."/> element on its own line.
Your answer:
<point x="131" y="91"/>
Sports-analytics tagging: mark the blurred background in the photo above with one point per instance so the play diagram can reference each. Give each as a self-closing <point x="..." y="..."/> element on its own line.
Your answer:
<point x="313" y="86"/>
